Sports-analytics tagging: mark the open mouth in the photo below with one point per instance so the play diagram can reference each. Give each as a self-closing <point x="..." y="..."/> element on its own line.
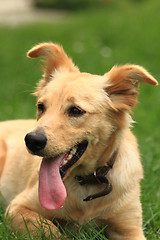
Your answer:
<point x="52" y="192"/>
<point x="72" y="156"/>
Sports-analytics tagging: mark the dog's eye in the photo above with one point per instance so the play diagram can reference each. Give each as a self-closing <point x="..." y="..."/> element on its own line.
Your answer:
<point x="75" y="111"/>
<point x="40" y="107"/>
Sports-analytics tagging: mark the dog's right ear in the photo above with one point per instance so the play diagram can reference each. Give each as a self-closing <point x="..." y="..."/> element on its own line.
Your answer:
<point x="54" y="58"/>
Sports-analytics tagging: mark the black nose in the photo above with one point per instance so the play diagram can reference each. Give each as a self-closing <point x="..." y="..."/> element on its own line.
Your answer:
<point x="35" y="141"/>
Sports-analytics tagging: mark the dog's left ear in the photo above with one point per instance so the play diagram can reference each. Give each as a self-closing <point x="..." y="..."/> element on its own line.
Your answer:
<point x="54" y="58"/>
<point x="123" y="83"/>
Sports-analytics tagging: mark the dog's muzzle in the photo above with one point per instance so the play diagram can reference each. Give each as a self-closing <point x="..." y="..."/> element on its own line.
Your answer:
<point x="35" y="142"/>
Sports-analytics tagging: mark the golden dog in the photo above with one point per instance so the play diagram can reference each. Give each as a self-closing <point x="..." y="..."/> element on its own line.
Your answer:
<point x="85" y="161"/>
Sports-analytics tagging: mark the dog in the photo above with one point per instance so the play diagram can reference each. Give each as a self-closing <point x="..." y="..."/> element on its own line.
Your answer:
<point x="79" y="160"/>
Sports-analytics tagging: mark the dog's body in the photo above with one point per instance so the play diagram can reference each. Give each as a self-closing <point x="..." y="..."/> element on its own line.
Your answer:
<point x="87" y="116"/>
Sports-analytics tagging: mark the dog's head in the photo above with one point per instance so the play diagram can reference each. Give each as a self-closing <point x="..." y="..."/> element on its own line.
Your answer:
<point x="78" y="114"/>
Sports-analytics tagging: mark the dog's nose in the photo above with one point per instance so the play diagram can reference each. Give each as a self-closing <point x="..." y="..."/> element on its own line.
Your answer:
<point x="35" y="141"/>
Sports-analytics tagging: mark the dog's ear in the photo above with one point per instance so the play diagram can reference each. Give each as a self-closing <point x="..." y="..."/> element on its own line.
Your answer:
<point x="123" y="83"/>
<point x="54" y="58"/>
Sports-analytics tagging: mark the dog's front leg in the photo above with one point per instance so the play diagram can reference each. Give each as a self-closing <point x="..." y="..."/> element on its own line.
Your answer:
<point x="125" y="224"/>
<point x="123" y="231"/>
<point x="24" y="219"/>
<point x="114" y="233"/>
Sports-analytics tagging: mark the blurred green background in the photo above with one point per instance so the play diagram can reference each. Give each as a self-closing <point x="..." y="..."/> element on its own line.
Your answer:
<point x="96" y="36"/>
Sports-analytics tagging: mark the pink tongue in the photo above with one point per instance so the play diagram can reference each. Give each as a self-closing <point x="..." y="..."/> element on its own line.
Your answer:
<point x="52" y="192"/>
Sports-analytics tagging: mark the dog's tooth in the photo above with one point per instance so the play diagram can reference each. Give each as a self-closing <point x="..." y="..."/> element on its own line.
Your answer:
<point x="73" y="151"/>
<point x="64" y="162"/>
<point x="69" y="156"/>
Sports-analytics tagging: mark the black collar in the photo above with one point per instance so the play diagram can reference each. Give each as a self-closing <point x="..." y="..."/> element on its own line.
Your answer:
<point x="99" y="177"/>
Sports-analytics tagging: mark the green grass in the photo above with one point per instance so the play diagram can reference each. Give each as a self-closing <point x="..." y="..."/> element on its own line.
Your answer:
<point x="122" y="32"/>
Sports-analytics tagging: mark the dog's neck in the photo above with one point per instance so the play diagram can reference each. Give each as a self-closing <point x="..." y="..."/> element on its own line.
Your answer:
<point x="99" y="177"/>
<point x="108" y="158"/>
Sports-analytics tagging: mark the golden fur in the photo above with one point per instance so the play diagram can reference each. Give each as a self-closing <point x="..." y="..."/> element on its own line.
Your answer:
<point x="107" y="101"/>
